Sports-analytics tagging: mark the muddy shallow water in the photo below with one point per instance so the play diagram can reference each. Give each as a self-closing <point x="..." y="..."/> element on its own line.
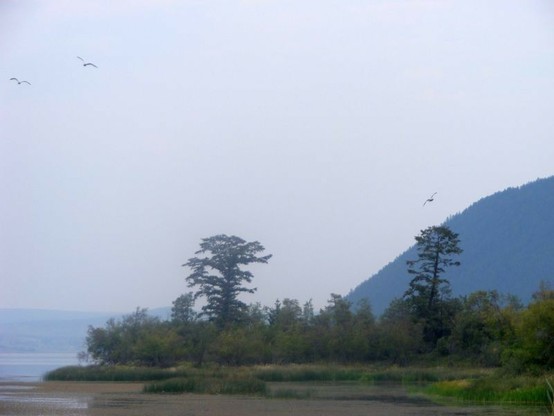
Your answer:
<point x="126" y="399"/>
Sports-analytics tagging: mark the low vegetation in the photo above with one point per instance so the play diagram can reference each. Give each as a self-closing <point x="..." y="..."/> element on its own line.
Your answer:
<point x="301" y="381"/>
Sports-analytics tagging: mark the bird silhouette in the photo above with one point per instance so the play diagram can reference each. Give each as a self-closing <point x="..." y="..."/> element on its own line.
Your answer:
<point x="430" y="199"/>
<point x="20" y="82"/>
<point x="86" y="63"/>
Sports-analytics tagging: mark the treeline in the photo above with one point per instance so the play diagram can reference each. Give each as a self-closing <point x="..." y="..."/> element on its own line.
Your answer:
<point x="426" y="323"/>
<point x="484" y="328"/>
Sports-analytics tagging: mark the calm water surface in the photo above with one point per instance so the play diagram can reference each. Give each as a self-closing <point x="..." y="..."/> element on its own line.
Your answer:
<point x="30" y="367"/>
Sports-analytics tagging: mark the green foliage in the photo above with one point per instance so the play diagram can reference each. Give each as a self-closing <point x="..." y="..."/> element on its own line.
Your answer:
<point x="482" y="327"/>
<point x="533" y="347"/>
<point x="219" y="277"/>
<point x="182" y="311"/>
<point x="287" y="316"/>
<point x="137" y="339"/>
<point x="399" y="337"/>
<point x="238" y="346"/>
<point x="485" y="329"/>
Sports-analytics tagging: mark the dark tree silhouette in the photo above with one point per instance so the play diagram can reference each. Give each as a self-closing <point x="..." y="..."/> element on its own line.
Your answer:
<point x="429" y="291"/>
<point x="219" y="278"/>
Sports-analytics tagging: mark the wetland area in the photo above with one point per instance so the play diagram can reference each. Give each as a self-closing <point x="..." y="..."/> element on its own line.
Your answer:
<point x="322" y="399"/>
<point x="23" y="393"/>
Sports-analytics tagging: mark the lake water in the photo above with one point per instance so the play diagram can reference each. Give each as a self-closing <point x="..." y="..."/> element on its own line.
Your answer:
<point x="31" y="367"/>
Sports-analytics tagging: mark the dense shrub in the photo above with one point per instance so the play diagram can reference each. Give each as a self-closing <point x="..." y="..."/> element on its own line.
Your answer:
<point x="109" y="373"/>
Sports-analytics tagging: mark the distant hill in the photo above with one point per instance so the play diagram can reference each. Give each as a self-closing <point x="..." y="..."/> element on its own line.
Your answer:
<point x="508" y="243"/>
<point x="37" y="330"/>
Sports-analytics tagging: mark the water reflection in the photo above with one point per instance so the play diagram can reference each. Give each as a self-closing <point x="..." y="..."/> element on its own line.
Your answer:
<point x="24" y="399"/>
<point x="48" y="402"/>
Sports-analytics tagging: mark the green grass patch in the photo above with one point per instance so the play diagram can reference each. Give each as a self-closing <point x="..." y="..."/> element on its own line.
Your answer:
<point x="494" y="389"/>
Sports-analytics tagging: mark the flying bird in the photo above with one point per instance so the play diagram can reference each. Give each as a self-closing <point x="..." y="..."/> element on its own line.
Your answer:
<point x="20" y="82"/>
<point x="430" y="199"/>
<point x="86" y="63"/>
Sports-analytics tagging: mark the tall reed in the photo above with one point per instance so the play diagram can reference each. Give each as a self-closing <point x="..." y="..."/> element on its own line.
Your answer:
<point x="550" y="396"/>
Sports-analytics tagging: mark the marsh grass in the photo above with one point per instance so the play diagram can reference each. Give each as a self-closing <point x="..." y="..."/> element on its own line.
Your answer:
<point x="475" y="385"/>
<point x="550" y="396"/>
<point x="493" y="389"/>
<point x="105" y="373"/>
<point x="269" y="373"/>
<point x="209" y="385"/>
<point x="132" y="374"/>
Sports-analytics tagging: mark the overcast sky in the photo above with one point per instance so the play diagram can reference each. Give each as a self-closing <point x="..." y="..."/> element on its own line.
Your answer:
<point x="317" y="128"/>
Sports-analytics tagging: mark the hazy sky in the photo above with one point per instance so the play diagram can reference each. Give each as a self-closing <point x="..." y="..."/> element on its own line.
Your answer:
<point x="317" y="128"/>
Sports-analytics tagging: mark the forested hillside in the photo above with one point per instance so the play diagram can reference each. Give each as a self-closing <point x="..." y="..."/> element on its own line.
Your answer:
<point x="508" y="243"/>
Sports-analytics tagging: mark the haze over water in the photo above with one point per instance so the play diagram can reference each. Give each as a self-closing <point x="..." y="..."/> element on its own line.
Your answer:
<point x="30" y="367"/>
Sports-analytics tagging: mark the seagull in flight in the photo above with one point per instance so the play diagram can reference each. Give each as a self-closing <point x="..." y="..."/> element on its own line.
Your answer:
<point x="20" y="82"/>
<point x="86" y="63"/>
<point x="430" y="199"/>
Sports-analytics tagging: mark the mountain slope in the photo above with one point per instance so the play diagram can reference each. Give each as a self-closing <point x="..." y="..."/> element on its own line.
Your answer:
<point x="508" y="243"/>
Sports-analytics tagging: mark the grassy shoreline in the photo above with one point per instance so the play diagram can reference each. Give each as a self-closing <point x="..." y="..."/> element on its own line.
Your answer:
<point x="475" y="385"/>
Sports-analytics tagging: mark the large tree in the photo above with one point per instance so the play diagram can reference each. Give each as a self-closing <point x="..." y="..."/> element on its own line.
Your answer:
<point x="429" y="290"/>
<point x="219" y="277"/>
